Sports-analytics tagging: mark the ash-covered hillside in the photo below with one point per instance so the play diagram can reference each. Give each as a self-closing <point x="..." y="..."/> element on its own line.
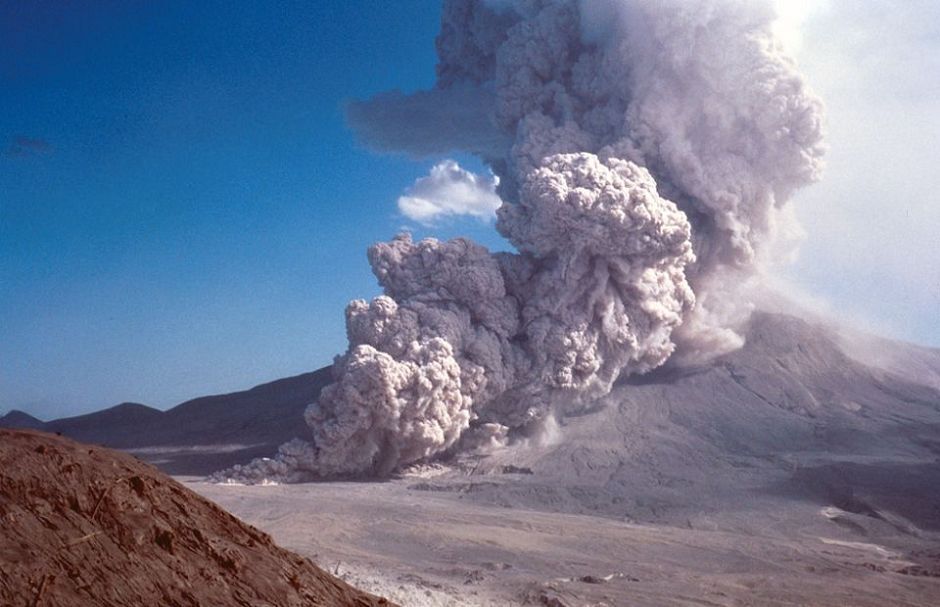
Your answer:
<point x="789" y="415"/>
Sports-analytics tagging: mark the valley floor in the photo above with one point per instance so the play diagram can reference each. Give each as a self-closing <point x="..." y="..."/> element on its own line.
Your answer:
<point x="440" y="548"/>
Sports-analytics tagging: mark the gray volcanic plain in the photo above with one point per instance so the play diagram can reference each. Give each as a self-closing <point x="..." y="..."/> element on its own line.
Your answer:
<point x="788" y="472"/>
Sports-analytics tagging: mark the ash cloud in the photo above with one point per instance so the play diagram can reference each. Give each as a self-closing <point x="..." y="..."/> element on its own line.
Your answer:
<point x="643" y="149"/>
<point x="429" y="123"/>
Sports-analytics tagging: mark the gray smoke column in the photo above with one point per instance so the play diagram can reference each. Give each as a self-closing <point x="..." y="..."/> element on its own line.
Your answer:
<point x="643" y="149"/>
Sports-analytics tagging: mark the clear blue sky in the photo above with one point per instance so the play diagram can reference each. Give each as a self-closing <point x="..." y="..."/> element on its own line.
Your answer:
<point x="184" y="212"/>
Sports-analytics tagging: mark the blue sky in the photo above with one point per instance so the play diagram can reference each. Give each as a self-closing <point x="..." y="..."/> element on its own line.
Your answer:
<point x="196" y="215"/>
<point x="183" y="210"/>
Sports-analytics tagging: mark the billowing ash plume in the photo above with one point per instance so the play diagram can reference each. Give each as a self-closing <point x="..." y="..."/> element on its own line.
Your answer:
<point x="643" y="149"/>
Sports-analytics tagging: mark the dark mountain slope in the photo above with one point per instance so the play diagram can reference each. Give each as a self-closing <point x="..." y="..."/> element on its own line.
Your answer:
<point x="199" y="435"/>
<point x="118" y="426"/>
<point x="19" y="419"/>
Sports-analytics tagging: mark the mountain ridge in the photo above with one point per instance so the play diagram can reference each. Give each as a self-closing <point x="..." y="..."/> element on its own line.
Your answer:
<point x="787" y="364"/>
<point x="229" y="428"/>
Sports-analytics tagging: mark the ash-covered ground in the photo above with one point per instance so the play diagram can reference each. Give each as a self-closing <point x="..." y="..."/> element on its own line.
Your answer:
<point x="786" y="473"/>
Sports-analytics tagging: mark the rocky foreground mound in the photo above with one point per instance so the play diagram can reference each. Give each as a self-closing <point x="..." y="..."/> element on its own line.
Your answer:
<point x="82" y="525"/>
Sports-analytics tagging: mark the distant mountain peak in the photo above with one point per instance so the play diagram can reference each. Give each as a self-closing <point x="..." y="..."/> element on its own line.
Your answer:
<point x="128" y="406"/>
<point x="20" y="419"/>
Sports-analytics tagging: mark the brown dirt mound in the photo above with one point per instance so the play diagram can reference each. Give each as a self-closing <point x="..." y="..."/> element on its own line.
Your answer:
<point x="82" y="525"/>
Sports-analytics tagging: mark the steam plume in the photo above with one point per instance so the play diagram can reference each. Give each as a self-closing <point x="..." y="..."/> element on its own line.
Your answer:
<point x="643" y="150"/>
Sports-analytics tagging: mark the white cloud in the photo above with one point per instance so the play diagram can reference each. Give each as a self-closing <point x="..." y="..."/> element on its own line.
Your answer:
<point x="450" y="190"/>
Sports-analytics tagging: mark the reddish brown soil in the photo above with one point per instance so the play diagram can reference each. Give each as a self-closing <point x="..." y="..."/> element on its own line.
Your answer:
<point x="82" y="525"/>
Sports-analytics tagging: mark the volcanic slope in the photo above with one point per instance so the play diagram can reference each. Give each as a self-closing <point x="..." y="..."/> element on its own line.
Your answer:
<point x="789" y="415"/>
<point x="85" y="525"/>
<point x="786" y="473"/>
